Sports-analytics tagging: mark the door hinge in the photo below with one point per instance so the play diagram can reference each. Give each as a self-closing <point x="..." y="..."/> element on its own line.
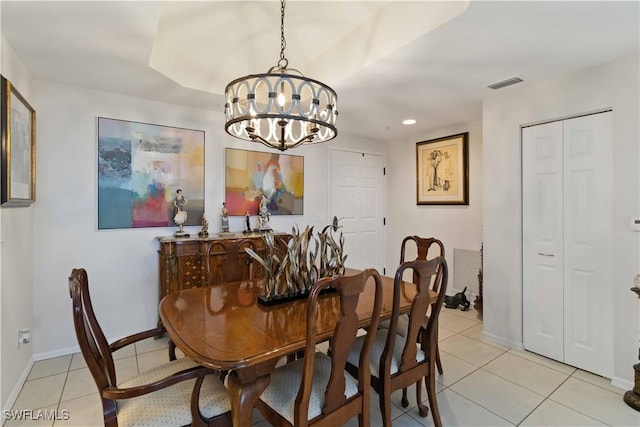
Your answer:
<point x="384" y="271"/>
<point x="384" y="221"/>
<point x="384" y="171"/>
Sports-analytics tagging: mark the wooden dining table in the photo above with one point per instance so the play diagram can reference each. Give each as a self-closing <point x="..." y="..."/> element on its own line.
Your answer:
<point x="225" y="328"/>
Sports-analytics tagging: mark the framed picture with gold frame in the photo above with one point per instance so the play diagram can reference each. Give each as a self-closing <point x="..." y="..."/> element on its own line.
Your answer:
<point x="442" y="171"/>
<point x="18" y="148"/>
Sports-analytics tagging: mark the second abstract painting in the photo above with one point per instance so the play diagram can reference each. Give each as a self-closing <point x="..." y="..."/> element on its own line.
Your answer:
<point x="250" y="174"/>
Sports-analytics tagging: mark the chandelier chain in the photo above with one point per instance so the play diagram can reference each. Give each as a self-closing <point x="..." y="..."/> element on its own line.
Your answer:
<point x="283" y="62"/>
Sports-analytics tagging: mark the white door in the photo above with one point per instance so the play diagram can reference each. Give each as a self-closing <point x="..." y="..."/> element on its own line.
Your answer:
<point x="542" y="254"/>
<point x="566" y="173"/>
<point x="587" y="243"/>
<point x="357" y="199"/>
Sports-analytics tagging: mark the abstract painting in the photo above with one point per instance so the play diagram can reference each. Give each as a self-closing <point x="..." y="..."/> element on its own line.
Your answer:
<point x="250" y="174"/>
<point x="442" y="171"/>
<point x="141" y="167"/>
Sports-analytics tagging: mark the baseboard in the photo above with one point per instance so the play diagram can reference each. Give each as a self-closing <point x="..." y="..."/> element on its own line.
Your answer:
<point x="622" y="383"/>
<point x="56" y="353"/>
<point x="512" y="344"/>
<point x="6" y="406"/>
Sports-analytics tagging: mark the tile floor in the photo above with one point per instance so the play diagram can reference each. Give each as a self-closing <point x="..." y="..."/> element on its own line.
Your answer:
<point x="484" y="384"/>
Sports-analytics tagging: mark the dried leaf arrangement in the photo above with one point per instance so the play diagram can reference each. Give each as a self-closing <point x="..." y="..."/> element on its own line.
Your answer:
<point x="332" y="256"/>
<point x="274" y="264"/>
<point x="302" y="271"/>
<point x="297" y="262"/>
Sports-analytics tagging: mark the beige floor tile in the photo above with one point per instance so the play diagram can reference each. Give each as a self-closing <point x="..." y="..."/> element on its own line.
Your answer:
<point x="444" y="333"/>
<point x="179" y="353"/>
<point x="126" y="368"/>
<point x="85" y="411"/>
<point x="152" y="359"/>
<point x="412" y="408"/>
<point x="597" y="380"/>
<point x="507" y="400"/>
<point x="525" y="373"/>
<point x="476" y="333"/>
<point x="45" y="368"/>
<point x="596" y="402"/>
<point x="41" y="392"/>
<point x="454" y="322"/>
<point x="406" y="420"/>
<point x="469" y="350"/>
<point x="127" y="351"/>
<point x="454" y="369"/>
<point x="550" y="413"/>
<point x="471" y="314"/>
<point x="152" y="344"/>
<point x="37" y="418"/>
<point x="549" y="363"/>
<point x="456" y="410"/>
<point x="77" y="362"/>
<point x="79" y="383"/>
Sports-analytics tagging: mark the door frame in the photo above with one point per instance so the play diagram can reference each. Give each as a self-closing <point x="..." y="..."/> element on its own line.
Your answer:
<point x="382" y="249"/>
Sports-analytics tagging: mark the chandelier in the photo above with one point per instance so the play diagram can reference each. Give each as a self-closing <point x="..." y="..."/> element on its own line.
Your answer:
<point x="280" y="108"/>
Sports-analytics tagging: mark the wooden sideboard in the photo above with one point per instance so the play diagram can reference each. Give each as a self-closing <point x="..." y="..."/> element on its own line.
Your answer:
<point x="182" y="262"/>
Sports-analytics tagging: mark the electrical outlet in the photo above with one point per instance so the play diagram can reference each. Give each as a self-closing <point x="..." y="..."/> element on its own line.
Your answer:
<point x="24" y="336"/>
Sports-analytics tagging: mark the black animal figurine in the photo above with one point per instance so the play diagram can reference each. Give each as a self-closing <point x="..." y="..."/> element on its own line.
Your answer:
<point x="456" y="300"/>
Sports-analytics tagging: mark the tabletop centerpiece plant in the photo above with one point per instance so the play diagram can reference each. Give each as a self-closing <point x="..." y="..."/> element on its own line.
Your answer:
<point x="291" y="268"/>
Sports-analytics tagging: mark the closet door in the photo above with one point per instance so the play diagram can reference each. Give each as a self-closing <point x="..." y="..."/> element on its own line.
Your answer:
<point x="542" y="252"/>
<point x="587" y="243"/>
<point x="567" y="240"/>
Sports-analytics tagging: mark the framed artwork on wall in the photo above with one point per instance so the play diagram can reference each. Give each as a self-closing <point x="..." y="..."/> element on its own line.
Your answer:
<point x="442" y="171"/>
<point x="142" y="167"/>
<point x="18" y="148"/>
<point x="250" y="174"/>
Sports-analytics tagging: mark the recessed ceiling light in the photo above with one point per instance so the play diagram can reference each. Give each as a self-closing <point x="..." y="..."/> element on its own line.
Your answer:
<point x="409" y="122"/>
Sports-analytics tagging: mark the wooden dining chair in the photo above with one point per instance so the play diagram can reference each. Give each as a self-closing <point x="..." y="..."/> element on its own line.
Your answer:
<point x="178" y="393"/>
<point x="423" y="244"/>
<point x="396" y="361"/>
<point x="227" y="261"/>
<point x="316" y="390"/>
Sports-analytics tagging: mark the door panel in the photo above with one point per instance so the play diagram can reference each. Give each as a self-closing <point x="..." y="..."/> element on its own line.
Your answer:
<point x="542" y="239"/>
<point x="587" y="219"/>
<point x="357" y="182"/>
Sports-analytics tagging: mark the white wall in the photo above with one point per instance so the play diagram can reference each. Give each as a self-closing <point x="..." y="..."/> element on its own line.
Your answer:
<point x="457" y="227"/>
<point x="122" y="264"/>
<point x="613" y="86"/>
<point x="16" y="255"/>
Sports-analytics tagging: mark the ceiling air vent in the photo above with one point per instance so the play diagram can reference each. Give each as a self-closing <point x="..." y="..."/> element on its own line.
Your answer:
<point x="504" y="83"/>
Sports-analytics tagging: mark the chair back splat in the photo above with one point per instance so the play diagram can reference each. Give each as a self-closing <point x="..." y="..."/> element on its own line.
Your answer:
<point x="327" y="395"/>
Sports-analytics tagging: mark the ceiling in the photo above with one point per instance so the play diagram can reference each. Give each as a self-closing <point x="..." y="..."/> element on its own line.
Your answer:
<point x="387" y="61"/>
